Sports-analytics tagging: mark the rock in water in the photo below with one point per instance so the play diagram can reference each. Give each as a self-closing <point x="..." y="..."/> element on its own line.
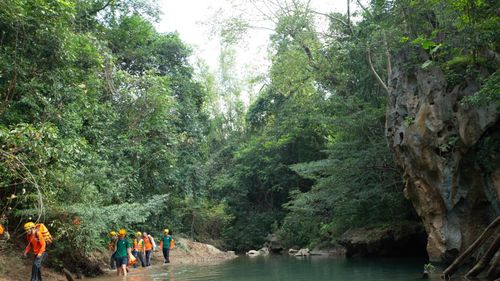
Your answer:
<point x="302" y="253"/>
<point x="264" y="251"/>
<point x="253" y="253"/>
<point x="449" y="153"/>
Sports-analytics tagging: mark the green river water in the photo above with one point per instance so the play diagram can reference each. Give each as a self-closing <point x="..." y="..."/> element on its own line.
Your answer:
<point x="285" y="268"/>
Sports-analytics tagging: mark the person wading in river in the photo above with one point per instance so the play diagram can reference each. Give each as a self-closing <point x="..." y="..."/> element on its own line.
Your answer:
<point x="139" y="249"/>
<point x="36" y="241"/>
<point x="123" y="250"/>
<point x="111" y="246"/>
<point x="148" y="245"/>
<point x="165" y="245"/>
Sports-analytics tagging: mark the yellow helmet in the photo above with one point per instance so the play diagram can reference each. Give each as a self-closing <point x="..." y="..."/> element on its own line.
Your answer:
<point x="29" y="225"/>
<point x="138" y="233"/>
<point x="112" y="233"/>
<point x="165" y="231"/>
<point x="122" y="232"/>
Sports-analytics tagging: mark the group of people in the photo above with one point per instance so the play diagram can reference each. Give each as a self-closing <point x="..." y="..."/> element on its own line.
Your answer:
<point x="125" y="254"/>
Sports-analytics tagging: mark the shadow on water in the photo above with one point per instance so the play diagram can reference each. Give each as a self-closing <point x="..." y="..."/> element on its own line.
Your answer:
<point x="285" y="268"/>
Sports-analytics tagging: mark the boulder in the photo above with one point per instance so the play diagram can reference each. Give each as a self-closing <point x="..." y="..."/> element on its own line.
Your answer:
<point x="292" y="251"/>
<point x="273" y="244"/>
<point x="264" y="251"/>
<point x="253" y="253"/>
<point x="302" y="252"/>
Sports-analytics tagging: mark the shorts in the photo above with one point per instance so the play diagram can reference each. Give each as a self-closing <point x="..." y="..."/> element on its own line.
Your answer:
<point x="121" y="261"/>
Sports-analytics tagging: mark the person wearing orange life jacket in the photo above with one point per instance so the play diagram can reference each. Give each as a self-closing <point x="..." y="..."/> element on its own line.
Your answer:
<point x="139" y="249"/>
<point x="4" y="234"/>
<point x="165" y="244"/>
<point x="36" y="241"/>
<point x="149" y="244"/>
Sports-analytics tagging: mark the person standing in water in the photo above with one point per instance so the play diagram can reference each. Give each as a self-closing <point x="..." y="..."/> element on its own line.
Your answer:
<point x="165" y="245"/>
<point x="111" y="246"/>
<point x="148" y="246"/>
<point x="139" y="249"/>
<point x="36" y="241"/>
<point x="123" y="250"/>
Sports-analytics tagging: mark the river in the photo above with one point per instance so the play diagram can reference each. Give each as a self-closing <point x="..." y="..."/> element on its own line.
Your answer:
<point x="285" y="268"/>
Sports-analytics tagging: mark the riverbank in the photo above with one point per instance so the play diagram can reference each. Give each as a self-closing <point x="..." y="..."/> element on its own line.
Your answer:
<point x="14" y="267"/>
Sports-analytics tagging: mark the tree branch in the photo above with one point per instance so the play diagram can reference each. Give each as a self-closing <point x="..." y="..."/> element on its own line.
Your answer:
<point x="388" y="56"/>
<point x="102" y="8"/>
<point x="485" y="260"/>
<point x="381" y="82"/>
<point x="364" y="8"/>
<point x="339" y="20"/>
<point x="480" y="240"/>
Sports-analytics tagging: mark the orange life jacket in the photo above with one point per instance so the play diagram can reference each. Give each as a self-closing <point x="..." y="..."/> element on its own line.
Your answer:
<point x="147" y="243"/>
<point x="172" y="244"/>
<point x="35" y="241"/>
<point x="131" y="260"/>
<point x="138" y="245"/>
<point x="1" y="229"/>
<point x="40" y="227"/>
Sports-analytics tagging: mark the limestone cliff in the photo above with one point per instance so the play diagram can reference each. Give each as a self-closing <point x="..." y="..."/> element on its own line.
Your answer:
<point x="449" y="153"/>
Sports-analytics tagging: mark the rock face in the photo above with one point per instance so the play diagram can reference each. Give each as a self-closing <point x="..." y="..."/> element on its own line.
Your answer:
<point x="449" y="153"/>
<point x="328" y="250"/>
<point x="392" y="241"/>
<point x="273" y="244"/>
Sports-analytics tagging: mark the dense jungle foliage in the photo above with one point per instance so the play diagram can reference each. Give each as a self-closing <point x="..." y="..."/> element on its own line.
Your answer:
<point x="105" y="124"/>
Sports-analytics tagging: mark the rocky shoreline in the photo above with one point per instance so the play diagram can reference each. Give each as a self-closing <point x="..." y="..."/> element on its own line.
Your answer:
<point x="12" y="267"/>
<point x="399" y="240"/>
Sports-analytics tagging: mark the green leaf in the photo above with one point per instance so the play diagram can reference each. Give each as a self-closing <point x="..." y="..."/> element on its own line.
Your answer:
<point x="426" y="64"/>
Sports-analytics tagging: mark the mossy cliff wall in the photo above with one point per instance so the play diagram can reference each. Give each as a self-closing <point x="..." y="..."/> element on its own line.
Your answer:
<point x="449" y="152"/>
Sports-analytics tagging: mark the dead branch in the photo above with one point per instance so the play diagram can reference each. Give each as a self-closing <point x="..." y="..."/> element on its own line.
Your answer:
<point x="479" y="241"/>
<point x="381" y="82"/>
<point x="485" y="260"/>
<point x="33" y="181"/>
<point x="388" y="55"/>
<point x="494" y="270"/>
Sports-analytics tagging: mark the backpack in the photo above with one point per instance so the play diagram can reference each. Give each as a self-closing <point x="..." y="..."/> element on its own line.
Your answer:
<point x="152" y="241"/>
<point x="172" y="244"/>
<point x="40" y="227"/>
